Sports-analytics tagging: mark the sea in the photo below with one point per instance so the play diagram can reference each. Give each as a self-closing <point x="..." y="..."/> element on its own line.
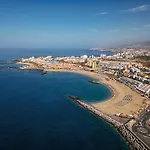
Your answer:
<point x="36" y="114"/>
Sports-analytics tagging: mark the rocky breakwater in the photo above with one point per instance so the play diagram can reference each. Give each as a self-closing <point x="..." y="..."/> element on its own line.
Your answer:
<point x="130" y="137"/>
<point x="96" y="111"/>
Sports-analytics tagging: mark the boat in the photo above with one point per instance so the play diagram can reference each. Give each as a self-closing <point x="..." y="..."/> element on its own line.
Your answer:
<point x="94" y="82"/>
<point x="44" y="72"/>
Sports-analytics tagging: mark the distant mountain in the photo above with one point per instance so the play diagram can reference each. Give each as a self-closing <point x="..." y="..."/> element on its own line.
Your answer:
<point x="147" y="43"/>
<point x="132" y="46"/>
<point x="137" y="45"/>
<point x="140" y="44"/>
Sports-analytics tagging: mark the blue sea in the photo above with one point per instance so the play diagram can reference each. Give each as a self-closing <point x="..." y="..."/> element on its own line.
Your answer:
<point x="13" y="53"/>
<point x="35" y="113"/>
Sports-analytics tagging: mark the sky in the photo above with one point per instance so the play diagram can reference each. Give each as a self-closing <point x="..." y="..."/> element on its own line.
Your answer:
<point x="73" y="23"/>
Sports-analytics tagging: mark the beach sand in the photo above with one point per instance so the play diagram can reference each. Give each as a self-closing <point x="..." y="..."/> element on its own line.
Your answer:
<point x="112" y="106"/>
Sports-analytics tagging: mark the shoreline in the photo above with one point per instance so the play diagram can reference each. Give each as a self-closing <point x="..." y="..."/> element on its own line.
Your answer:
<point x="119" y="90"/>
<point x="132" y="140"/>
<point x="107" y="109"/>
<point x="86" y="73"/>
<point x="111" y="105"/>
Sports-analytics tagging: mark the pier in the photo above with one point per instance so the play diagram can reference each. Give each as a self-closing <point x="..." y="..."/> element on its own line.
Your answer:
<point x="128" y="135"/>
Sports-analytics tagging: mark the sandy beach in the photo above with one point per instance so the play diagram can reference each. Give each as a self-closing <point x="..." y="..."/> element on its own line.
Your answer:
<point x="112" y="106"/>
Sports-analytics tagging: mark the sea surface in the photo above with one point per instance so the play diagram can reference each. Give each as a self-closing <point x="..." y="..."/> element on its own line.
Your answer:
<point x="35" y="113"/>
<point x="13" y="53"/>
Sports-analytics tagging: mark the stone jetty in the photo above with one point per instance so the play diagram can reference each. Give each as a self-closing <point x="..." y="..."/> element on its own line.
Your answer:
<point x="129" y="135"/>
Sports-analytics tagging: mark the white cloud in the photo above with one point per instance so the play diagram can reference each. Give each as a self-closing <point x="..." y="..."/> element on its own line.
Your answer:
<point x="147" y="26"/>
<point x="102" y="13"/>
<point x="138" y="9"/>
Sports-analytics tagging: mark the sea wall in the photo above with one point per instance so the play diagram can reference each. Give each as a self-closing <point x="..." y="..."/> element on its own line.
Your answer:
<point x="99" y="113"/>
<point x="129" y="136"/>
<point x="132" y="139"/>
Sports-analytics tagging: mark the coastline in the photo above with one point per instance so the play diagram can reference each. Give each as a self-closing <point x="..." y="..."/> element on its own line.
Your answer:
<point x="110" y="106"/>
<point x="94" y="76"/>
<point x="132" y="140"/>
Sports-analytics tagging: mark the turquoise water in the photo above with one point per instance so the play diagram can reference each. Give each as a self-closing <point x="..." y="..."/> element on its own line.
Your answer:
<point x="35" y="113"/>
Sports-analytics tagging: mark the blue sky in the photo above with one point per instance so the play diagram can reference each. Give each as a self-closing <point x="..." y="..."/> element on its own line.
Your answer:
<point x="73" y="23"/>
